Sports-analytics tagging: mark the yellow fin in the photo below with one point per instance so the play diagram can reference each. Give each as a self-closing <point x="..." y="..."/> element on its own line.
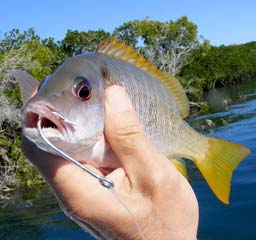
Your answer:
<point x="181" y="166"/>
<point x="218" y="164"/>
<point x="120" y="51"/>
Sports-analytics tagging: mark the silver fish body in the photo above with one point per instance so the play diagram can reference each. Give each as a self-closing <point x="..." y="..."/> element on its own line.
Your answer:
<point x="70" y="103"/>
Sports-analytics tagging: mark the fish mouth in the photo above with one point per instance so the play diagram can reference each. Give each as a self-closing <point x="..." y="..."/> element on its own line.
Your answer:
<point x="32" y="118"/>
<point x="60" y="131"/>
<point x="49" y="116"/>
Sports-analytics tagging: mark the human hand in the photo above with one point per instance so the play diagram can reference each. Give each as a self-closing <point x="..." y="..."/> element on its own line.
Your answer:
<point x="159" y="197"/>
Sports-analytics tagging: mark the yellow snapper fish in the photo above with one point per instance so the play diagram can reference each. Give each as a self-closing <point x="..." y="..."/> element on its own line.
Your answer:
<point x="70" y="106"/>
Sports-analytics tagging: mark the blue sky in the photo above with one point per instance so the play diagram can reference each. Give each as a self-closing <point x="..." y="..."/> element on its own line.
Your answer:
<point x="220" y="21"/>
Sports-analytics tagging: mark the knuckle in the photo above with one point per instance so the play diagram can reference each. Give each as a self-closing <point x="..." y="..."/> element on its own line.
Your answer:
<point x="131" y="131"/>
<point x="128" y="139"/>
<point x="165" y="175"/>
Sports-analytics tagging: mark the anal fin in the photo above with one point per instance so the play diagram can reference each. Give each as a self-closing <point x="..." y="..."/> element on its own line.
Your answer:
<point x="180" y="164"/>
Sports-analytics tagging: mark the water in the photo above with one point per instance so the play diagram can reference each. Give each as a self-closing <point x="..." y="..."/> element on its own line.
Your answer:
<point x="236" y="122"/>
<point x="35" y="214"/>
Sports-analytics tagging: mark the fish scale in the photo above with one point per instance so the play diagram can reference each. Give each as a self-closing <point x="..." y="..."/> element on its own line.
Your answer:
<point x="150" y="100"/>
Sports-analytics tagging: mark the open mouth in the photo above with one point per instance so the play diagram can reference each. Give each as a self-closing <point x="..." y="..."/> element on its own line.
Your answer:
<point x="31" y="120"/>
<point x="51" y="125"/>
<point x="49" y="116"/>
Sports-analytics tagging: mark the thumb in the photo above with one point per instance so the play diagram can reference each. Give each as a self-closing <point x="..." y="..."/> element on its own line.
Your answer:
<point x="125" y="134"/>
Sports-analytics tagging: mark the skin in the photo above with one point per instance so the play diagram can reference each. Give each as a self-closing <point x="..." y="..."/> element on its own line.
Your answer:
<point x="159" y="197"/>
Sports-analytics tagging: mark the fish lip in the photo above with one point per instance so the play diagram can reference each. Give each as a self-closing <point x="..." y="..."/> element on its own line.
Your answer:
<point x="34" y="110"/>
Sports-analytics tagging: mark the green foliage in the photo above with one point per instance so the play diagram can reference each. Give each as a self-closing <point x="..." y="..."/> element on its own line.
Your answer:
<point x="219" y="66"/>
<point x="26" y="174"/>
<point x="13" y="95"/>
<point x="168" y="45"/>
<point x="56" y="51"/>
<point x="26" y="51"/>
<point x="182" y="31"/>
<point x="128" y="33"/>
<point x="13" y="159"/>
<point x="13" y="39"/>
<point x="76" y="42"/>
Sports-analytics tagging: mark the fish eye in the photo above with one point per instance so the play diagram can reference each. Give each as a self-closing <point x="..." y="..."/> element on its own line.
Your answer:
<point x="82" y="88"/>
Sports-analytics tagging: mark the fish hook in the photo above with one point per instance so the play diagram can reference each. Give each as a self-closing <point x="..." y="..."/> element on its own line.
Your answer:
<point x="105" y="182"/>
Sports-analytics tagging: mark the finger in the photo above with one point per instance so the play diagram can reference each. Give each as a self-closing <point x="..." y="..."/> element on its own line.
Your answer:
<point x="118" y="177"/>
<point x="125" y="134"/>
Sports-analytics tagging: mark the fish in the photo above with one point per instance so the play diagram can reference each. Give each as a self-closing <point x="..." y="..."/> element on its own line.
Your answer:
<point x="70" y="106"/>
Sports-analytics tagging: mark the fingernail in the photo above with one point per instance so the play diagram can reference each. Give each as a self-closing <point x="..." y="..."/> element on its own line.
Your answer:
<point x="117" y="99"/>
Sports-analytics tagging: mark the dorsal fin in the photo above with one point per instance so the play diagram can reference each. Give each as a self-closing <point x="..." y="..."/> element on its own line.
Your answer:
<point x="27" y="84"/>
<point x="126" y="53"/>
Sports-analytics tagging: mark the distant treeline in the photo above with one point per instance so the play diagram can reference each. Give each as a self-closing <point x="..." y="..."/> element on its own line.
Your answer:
<point x="220" y="66"/>
<point x="173" y="46"/>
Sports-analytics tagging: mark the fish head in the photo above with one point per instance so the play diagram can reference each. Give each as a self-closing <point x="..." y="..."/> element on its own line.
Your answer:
<point x="70" y="106"/>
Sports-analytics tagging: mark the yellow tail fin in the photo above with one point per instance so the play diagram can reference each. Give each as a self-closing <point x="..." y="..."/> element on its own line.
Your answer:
<point x="218" y="164"/>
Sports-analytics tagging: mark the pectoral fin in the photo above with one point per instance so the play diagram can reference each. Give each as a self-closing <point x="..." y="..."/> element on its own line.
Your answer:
<point x="27" y="84"/>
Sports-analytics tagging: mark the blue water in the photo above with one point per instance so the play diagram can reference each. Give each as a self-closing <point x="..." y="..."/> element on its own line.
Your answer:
<point x="35" y="215"/>
<point x="236" y="221"/>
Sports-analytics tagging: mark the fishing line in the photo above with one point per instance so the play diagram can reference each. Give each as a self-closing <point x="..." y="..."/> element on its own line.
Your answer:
<point x="105" y="182"/>
<point x="112" y="190"/>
